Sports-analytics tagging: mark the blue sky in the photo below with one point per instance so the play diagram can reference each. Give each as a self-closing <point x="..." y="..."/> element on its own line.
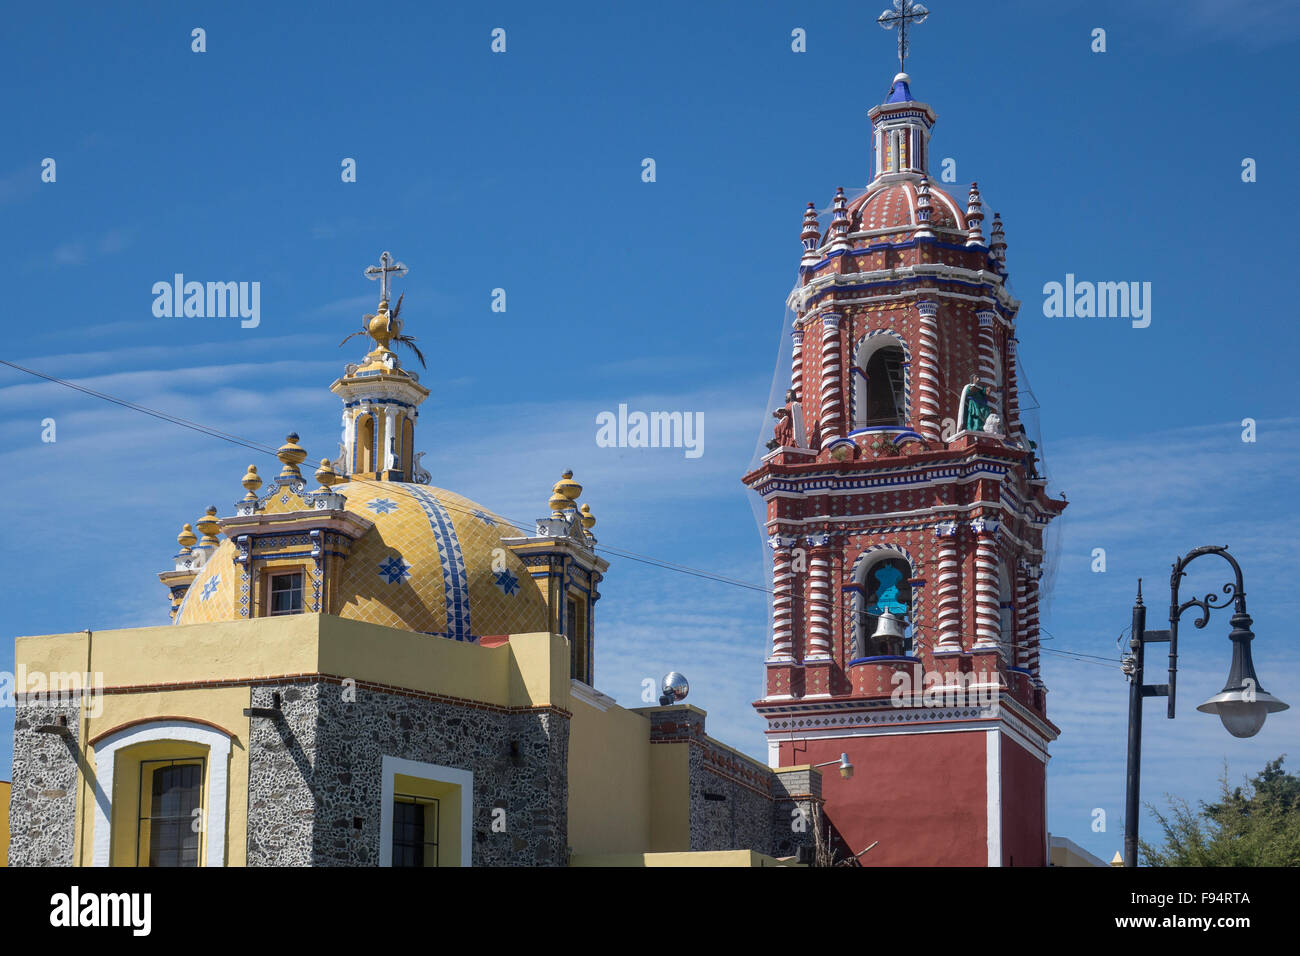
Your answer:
<point x="522" y="171"/>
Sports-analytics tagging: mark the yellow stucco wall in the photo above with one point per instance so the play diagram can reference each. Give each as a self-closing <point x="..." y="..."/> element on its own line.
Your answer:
<point x="670" y="818"/>
<point x="609" y="779"/>
<point x="4" y="823"/>
<point x="529" y="670"/>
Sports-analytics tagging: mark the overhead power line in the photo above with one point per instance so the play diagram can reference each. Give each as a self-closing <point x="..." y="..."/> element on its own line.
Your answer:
<point x="391" y="488"/>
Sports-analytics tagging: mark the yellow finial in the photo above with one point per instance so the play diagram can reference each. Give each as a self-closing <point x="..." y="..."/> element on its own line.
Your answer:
<point x="380" y="327"/>
<point x="208" y="527"/>
<point x="567" y="487"/>
<point x="558" y="505"/>
<point x="291" y="456"/>
<point x="186" y="539"/>
<point x="588" y="519"/>
<point x="252" y="481"/>
<point x="326" y="476"/>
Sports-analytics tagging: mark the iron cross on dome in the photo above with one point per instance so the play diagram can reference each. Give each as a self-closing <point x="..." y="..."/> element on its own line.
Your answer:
<point x="387" y="266"/>
<point x="905" y="12"/>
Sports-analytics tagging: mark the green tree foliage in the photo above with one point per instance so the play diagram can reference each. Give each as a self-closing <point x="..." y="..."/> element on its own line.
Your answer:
<point x="1255" y="825"/>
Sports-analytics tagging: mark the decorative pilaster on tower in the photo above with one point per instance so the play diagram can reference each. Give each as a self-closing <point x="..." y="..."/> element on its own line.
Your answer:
<point x="988" y="623"/>
<point x="1030" y="609"/>
<point x="949" y="581"/>
<point x="820" y="605"/>
<point x="782" y="598"/>
<point x="988" y="354"/>
<point x="832" y="427"/>
<point x="929" y="369"/>
<point x="1012" y="398"/>
<point x="796" y="365"/>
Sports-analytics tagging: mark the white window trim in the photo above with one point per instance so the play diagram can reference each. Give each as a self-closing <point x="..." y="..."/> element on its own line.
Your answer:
<point x="390" y="768"/>
<point x="217" y="785"/>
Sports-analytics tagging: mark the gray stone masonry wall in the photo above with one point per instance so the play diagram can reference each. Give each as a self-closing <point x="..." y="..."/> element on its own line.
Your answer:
<point x="737" y="803"/>
<point x="317" y="769"/>
<point x="43" y="800"/>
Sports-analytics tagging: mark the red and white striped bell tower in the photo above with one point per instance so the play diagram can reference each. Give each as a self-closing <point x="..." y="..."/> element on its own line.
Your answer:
<point x="906" y="518"/>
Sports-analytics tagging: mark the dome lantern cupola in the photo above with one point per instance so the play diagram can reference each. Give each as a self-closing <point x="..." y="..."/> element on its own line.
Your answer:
<point x="381" y="399"/>
<point x="900" y="132"/>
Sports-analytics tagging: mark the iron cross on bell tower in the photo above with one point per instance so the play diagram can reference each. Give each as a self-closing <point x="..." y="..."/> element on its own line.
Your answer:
<point x="387" y="266"/>
<point x="905" y="12"/>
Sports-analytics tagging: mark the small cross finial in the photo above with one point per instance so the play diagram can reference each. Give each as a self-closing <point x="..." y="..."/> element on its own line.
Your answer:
<point x="387" y="266"/>
<point x="905" y="12"/>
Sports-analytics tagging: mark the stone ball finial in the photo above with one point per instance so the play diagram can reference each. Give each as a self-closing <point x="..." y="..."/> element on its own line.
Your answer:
<point x="567" y="487"/>
<point x="326" y="475"/>
<point x="291" y="455"/>
<point x="558" y="505"/>
<point x="251" y="481"/>
<point x="208" y="526"/>
<point x="186" y="539"/>
<point x="588" y="519"/>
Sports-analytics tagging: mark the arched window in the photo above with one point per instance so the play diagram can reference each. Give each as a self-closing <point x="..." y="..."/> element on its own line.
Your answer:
<point x="154" y="781"/>
<point x="879" y="382"/>
<point x="884" y="385"/>
<point x="884" y="588"/>
<point x="365" y="444"/>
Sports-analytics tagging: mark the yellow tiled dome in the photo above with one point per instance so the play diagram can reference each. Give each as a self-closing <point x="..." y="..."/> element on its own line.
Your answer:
<point x="433" y="562"/>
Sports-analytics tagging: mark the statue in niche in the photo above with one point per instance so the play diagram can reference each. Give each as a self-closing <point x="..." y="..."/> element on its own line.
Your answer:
<point x="784" y="435"/>
<point x="975" y="408"/>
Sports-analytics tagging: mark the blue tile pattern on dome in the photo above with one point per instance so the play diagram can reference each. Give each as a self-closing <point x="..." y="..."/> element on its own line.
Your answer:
<point x="485" y="518"/>
<point x="455" y="581"/>
<point x="382" y="506"/>
<point x="507" y="582"/>
<point x="394" y="570"/>
<point x="210" y="588"/>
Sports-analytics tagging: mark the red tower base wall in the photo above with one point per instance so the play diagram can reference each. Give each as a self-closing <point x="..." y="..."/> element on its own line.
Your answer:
<point x="1024" y="826"/>
<point x="923" y="796"/>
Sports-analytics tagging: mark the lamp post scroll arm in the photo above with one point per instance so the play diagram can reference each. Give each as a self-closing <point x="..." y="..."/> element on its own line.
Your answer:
<point x="1233" y="591"/>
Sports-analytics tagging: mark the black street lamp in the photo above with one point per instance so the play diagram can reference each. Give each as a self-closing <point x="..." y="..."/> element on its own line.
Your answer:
<point x="1242" y="705"/>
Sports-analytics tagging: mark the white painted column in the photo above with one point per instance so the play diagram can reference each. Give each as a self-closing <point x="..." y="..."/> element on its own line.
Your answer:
<point x="1012" y="403"/>
<point x="831" y="417"/>
<point x="928" y="362"/>
<point x="1018" y="615"/>
<point x="949" y="588"/>
<point x="988" y="359"/>
<point x="1031" y="622"/>
<point x="796" y="365"/>
<point x="988" y="593"/>
<point x="349" y="439"/>
<point x="819" y="599"/>
<point x="782" y="598"/>
<point x="390" y="419"/>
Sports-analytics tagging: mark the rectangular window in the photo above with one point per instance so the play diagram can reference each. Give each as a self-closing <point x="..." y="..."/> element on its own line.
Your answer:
<point x="415" y="831"/>
<point x="286" y="594"/>
<point x="170" y="819"/>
